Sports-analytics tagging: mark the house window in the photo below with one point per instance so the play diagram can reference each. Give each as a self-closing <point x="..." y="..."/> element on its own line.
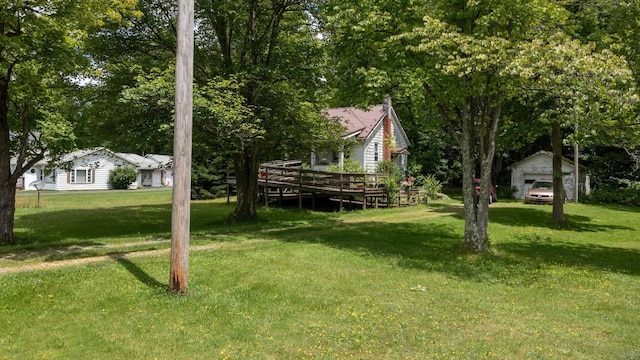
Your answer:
<point x="325" y="158"/>
<point x="81" y="176"/>
<point x="375" y="152"/>
<point x="49" y="178"/>
<point x="147" y="177"/>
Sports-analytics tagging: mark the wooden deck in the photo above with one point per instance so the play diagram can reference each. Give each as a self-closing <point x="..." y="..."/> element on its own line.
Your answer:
<point x="282" y="180"/>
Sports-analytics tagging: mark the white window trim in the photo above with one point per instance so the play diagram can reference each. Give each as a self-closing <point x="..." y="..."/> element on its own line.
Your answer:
<point x="89" y="176"/>
<point x="49" y="179"/>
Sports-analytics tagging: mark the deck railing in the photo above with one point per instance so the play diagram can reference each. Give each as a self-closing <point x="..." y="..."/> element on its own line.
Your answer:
<point x="291" y="178"/>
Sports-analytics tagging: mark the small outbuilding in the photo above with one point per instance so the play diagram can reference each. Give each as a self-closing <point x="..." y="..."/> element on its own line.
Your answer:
<point x="540" y="165"/>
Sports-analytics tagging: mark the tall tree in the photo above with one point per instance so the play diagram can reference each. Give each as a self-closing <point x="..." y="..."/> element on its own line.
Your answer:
<point x="120" y="98"/>
<point x="468" y="60"/>
<point x="614" y="26"/>
<point x="456" y="53"/>
<point x="575" y="84"/>
<point x="39" y="61"/>
<point x="270" y="48"/>
<point x="257" y="74"/>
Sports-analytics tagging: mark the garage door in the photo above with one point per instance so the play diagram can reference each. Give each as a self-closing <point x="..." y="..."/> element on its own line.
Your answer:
<point x="530" y="178"/>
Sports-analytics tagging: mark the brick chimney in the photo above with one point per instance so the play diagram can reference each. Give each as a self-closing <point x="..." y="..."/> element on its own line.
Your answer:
<point x="386" y="129"/>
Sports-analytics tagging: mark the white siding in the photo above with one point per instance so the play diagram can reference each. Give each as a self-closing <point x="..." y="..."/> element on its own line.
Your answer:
<point x="101" y="162"/>
<point x="31" y="176"/>
<point x="370" y="164"/>
<point x="356" y="153"/>
<point x="34" y="178"/>
<point x="365" y="152"/>
<point x="156" y="178"/>
<point x="397" y="134"/>
<point x="167" y="180"/>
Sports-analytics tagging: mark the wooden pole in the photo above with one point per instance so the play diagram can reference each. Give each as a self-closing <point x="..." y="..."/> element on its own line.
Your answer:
<point x="181" y="210"/>
<point x="576" y="169"/>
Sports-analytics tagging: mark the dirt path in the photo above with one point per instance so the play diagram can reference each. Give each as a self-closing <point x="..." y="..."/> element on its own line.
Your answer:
<point x="93" y="259"/>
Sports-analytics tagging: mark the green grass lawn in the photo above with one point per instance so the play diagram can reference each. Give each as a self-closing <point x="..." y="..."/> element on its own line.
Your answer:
<point x="375" y="284"/>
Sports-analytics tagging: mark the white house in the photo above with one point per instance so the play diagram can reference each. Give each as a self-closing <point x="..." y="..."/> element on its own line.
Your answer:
<point x="89" y="170"/>
<point x="540" y="165"/>
<point x="376" y="135"/>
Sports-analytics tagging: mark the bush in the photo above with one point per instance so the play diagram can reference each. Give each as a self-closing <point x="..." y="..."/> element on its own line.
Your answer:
<point x="392" y="182"/>
<point x="626" y="197"/>
<point x="207" y="183"/>
<point x="122" y="177"/>
<point x="392" y="189"/>
<point x="430" y="186"/>
<point x="390" y="168"/>
<point x="349" y="166"/>
<point x="505" y="192"/>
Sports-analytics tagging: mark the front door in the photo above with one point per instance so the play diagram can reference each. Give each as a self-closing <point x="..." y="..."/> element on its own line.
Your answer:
<point x="146" y="177"/>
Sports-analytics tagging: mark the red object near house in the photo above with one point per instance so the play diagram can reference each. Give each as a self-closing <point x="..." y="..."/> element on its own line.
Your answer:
<point x="493" y="194"/>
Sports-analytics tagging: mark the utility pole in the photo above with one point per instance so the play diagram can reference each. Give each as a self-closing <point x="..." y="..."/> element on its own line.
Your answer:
<point x="182" y="138"/>
<point x="576" y="166"/>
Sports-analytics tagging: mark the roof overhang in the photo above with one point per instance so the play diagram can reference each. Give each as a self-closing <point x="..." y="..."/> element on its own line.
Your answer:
<point x="354" y="134"/>
<point x="400" y="150"/>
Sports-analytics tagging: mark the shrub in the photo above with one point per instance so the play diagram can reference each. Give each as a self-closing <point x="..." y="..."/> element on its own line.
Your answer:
<point x="431" y="187"/>
<point x="626" y="197"/>
<point x="390" y="168"/>
<point x="505" y="192"/>
<point x="207" y="183"/>
<point x="348" y="166"/>
<point x="122" y="177"/>
<point x="392" y="189"/>
<point x="392" y="182"/>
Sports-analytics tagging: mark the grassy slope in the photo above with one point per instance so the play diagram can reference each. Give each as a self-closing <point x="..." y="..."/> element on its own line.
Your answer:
<point x="380" y="284"/>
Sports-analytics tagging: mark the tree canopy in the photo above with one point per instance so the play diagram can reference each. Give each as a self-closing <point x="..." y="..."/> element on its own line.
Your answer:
<point x="41" y="62"/>
<point x="468" y="59"/>
<point x="258" y="75"/>
<point x="492" y="75"/>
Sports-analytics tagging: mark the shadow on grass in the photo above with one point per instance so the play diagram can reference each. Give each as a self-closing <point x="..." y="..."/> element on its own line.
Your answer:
<point x="429" y="247"/>
<point x="423" y="244"/>
<point x="140" y="274"/>
<point x="618" y="208"/>
<point x="521" y="217"/>
<point x="69" y="234"/>
<point x="75" y="227"/>
<point x="591" y="256"/>
<point x="437" y="247"/>
<point x="31" y="251"/>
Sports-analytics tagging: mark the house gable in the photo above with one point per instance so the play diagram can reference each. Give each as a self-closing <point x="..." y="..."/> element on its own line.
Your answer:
<point x="89" y="169"/>
<point x="367" y="129"/>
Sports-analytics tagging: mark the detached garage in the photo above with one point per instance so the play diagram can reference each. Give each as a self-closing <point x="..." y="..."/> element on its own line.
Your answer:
<point x="540" y="165"/>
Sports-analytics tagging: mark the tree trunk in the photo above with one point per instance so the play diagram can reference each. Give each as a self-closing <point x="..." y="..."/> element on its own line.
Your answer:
<point x="246" y="168"/>
<point x="475" y="208"/>
<point x="558" y="188"/>
<point x="7" y="180"/>
<point x="478" y="143"/>
<point x="7" y="207"/>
